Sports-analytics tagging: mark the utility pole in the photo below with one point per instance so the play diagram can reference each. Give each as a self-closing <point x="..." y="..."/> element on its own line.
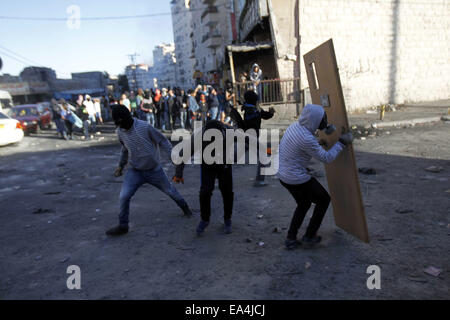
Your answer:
<point x="133" y="62"/>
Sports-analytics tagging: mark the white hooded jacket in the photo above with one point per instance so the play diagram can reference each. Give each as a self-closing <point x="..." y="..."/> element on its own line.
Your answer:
<point x="299" y="145"/>
<point x="255" y="76"/>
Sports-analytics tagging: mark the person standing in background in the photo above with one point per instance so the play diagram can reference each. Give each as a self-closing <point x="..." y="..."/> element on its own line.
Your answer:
<point x="91" y="111"/>
<point x="56" y="117"/>
<point x="125" y="102"/>
<point x="157" y="104"/>
<point x="148" y="110"/>
<point x="253" y="115"/>
<point x="105" y="105"/>
<point x="183" y="110"/>
<point x="98" y="110"/>
<point x="133" y="104"/>
<point x="83" y="115"/>
<point x="213" y="104"/>
<point x="256" y="77"/>
<point x="193" y="107"/>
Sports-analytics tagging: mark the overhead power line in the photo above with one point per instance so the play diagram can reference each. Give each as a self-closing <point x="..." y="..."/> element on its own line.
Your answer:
<point x="139" y="16"/>
<point x="24" y="60"/>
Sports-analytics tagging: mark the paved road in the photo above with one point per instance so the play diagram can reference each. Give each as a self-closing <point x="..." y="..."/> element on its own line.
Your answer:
<point x="58" y="197"/>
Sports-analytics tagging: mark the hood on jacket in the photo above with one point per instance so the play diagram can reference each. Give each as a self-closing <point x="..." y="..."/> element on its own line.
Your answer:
<point x="311" y="117"/>
<point x="252" y="71"/>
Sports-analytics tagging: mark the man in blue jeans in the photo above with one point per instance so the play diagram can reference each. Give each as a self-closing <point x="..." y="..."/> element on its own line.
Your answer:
<point x="140" y="148"/>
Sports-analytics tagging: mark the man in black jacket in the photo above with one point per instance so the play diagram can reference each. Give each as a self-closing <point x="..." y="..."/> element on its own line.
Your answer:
<point x="253" y="115"/>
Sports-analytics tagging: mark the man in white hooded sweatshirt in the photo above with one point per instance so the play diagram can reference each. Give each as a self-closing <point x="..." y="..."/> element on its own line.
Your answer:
<point x="297" y="147"/>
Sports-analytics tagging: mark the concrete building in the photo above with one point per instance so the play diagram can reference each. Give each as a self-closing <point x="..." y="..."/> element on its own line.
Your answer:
<point x="388" y="51"/>
<point x="213" y="23"/>
<point x="6" y="77"/>
<point x="139" y="76"/>
<point x="94" y="79"/>
<point x="37" y="84"/>
<point x="34" y="74"/>
<point x="164" y="66"/>
<point x="184" y="46"/>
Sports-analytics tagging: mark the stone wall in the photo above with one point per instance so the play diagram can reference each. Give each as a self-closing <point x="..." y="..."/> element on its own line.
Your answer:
<point x="388" y="51"/>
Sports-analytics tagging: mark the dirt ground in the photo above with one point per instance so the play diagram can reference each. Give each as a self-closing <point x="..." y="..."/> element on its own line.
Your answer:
<point x="58" y="198"/>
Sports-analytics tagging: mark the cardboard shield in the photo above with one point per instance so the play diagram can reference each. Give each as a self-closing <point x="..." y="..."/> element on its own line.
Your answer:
<point x="342" y="174"/>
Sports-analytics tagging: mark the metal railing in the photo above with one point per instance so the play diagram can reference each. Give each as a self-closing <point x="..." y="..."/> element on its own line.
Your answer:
<point x="274" y="91"/>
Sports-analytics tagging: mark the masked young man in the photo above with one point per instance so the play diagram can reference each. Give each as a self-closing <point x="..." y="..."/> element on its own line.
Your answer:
<point x="253" y="115"/>
<point x="140" y="148"/>
<point x="211" y="170"/>
<point x="297" y="147"/>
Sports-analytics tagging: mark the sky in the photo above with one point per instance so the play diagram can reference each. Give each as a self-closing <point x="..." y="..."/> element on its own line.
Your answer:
<point x="102" y="45"/>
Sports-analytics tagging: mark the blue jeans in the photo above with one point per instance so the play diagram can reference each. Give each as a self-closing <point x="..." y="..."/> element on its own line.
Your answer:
<point x="183" y="118"/>
<point x="213" y="113"/>
<point x="166" y="121"/>
<point x="60" y="126"/>
<point x="93" y="122"/>
<point x="151" y="118"/>
<point x="135" y="178"/>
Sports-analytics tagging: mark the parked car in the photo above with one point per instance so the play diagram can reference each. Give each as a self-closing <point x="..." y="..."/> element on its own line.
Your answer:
<point x="45" y="115"/>
<point x="32" y="117"/>
<point x="10" y="130"/>
<point x="28" y="118"/>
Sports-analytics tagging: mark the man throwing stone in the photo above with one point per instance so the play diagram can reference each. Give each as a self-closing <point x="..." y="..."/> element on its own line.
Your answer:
<point x="140" y="149"/>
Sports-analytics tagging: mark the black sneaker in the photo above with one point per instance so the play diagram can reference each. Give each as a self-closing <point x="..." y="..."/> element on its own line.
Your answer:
<point x="227" y="228"/>
<point x="117" y="231"/>
<point x="187" y="212"/>
<point x="292" y="244"/>
<point x="201" y="227"/>
<point x="311" y="241"/>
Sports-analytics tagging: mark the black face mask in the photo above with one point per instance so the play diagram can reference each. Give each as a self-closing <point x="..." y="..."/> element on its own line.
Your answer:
<point x="329" y="128"/>
<point x="122" y="117"/>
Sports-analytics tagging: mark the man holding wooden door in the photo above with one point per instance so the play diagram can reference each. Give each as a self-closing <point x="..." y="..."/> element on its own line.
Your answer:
<point x="297" y="147"/>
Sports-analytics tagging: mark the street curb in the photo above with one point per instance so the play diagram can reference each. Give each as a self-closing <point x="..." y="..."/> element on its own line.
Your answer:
<point x="406" y="122"/>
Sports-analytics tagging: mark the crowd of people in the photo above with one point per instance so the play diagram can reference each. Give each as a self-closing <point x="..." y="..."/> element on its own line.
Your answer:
<point x="168" y="109"/>
<point x="165" y="109"/>
<point x="83" y="116"/>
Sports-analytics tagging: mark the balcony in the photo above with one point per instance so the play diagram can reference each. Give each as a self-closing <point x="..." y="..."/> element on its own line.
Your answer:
<point x="209" y="10"/>
<point x="211" y="19"/>
<point x="213" y="41"/>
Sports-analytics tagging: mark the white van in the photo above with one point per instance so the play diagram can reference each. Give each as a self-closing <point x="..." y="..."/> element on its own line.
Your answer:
<point x="5" y="100"/>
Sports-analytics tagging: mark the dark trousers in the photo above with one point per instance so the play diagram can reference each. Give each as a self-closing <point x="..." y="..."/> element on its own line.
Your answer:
<point x="86" y="128"/>
<point x="259" y="176"/>
<point x="69" y="126"/>
<point x="158" y="119"/>
<point x="208" y="174"/>
<point x="305" y="194"/>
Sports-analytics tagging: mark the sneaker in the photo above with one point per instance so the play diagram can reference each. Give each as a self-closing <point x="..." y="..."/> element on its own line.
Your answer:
<point x="292" y="244"/>
<point x="187" y="212"/>
<point x="311" y="241"/>
<point x="227" y="228"/>
<point x="117" y="231"/>
<point x="260" y="183"/>
<point x="201" y="227"/>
